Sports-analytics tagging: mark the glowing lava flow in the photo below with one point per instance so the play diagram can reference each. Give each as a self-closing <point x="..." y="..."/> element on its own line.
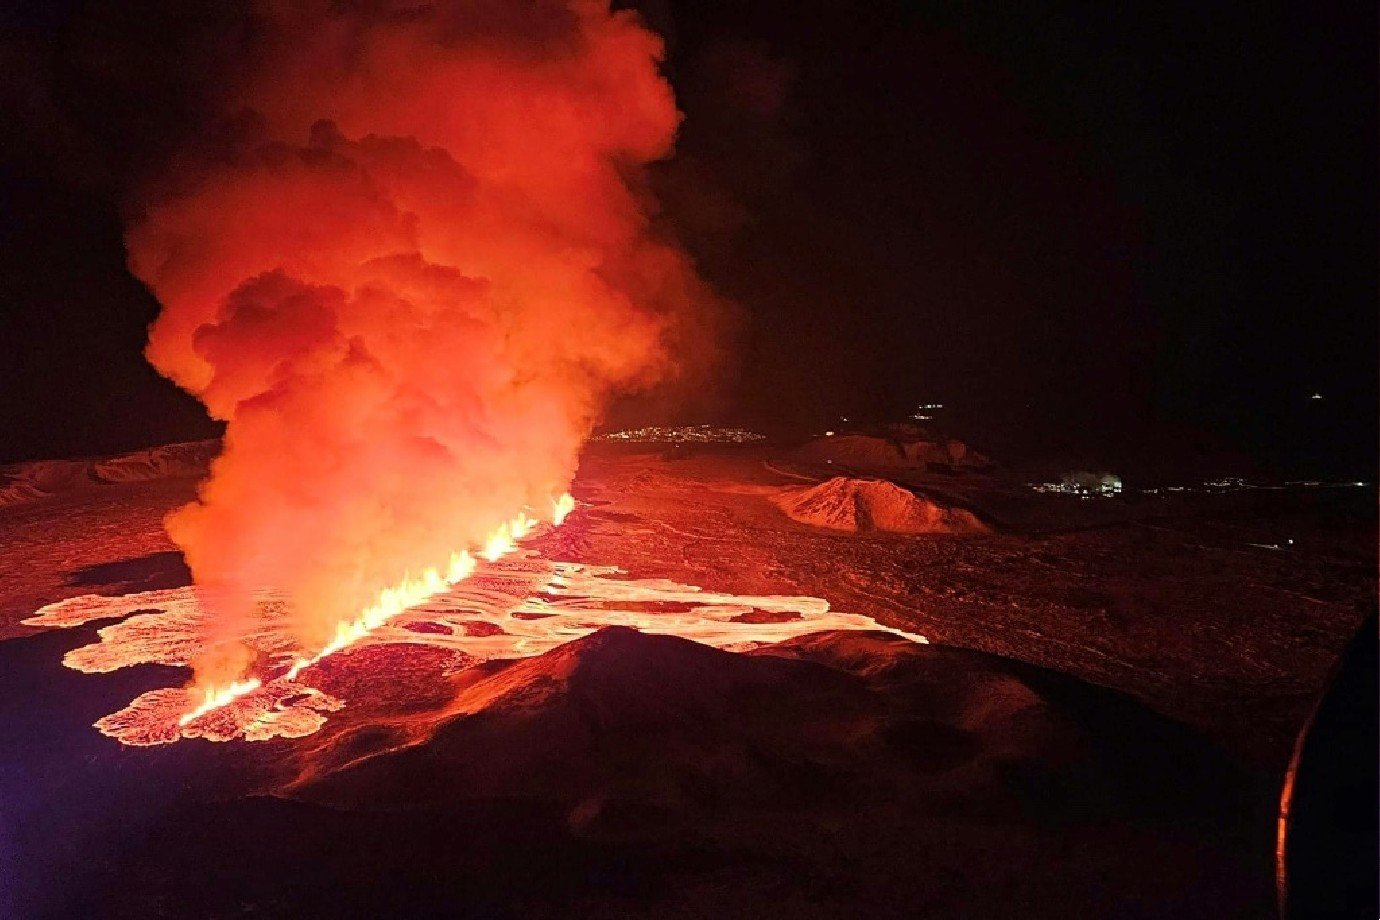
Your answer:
<point x="522" y="606"/>
<point x="410" y="592"/>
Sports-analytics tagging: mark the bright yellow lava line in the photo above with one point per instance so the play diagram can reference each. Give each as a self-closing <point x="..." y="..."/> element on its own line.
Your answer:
<point x="217" y="697"/>
<point x="392" y="601"/>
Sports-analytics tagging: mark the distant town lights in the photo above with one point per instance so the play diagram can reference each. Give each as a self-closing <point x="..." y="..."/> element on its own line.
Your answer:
<point x="921" y="413"/>
<point x="1078" y="484"/>
<point x="689" y="434"/>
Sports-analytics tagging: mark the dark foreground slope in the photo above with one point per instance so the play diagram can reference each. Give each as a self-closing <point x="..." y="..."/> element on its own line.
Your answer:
<point x="629" y="775"/>
<point x="842" y="774"/>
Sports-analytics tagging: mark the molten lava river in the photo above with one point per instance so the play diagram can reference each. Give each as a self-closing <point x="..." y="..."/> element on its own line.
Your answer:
<point x="507" y="602"/>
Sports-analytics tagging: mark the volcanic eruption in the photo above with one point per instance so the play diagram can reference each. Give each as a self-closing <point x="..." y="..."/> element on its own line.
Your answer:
<point x="407" y="260"/>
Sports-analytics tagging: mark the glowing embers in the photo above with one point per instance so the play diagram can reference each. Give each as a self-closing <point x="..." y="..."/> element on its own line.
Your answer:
<point x="520" y="606"/>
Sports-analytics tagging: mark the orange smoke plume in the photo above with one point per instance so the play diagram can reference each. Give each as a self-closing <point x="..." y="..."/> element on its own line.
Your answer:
<point x="408" y="268"/>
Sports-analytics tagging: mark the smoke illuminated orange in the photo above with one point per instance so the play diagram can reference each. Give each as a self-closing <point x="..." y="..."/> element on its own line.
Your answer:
<point x="409" y="262"/>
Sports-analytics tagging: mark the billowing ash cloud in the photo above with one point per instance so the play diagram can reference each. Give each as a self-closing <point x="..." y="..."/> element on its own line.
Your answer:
<point x="408" y="268"/>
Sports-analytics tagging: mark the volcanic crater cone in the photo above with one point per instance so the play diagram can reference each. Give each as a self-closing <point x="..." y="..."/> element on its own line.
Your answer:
<point x="671" y="724"/>
<point x="861" y="505"/>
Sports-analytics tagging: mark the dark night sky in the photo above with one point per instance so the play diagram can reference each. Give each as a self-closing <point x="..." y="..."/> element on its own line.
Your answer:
<point x="1107" y="228"/>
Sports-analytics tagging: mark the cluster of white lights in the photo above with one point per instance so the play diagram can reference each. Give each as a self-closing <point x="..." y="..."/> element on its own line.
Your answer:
<point x="690" y="434"/>
<point x="1106" y="490"/>
<point x="922" y="412"/>
<point x="1112" y="486"/>
<point x="1237" y="484"/>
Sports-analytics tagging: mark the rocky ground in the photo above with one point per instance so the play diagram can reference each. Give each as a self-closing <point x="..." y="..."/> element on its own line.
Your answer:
<point x="1097" y="730"/>
<point x="1172" y="599"/>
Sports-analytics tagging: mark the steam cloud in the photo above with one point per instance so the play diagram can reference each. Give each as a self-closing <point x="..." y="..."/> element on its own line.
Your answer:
<point x="409" y="268"/>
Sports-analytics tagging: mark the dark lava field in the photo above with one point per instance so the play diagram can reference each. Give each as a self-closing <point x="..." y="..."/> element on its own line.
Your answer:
<point x="1097" y="728"/>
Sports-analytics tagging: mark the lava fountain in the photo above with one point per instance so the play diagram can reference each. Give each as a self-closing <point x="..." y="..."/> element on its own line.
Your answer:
<point x="407" y="260"/>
